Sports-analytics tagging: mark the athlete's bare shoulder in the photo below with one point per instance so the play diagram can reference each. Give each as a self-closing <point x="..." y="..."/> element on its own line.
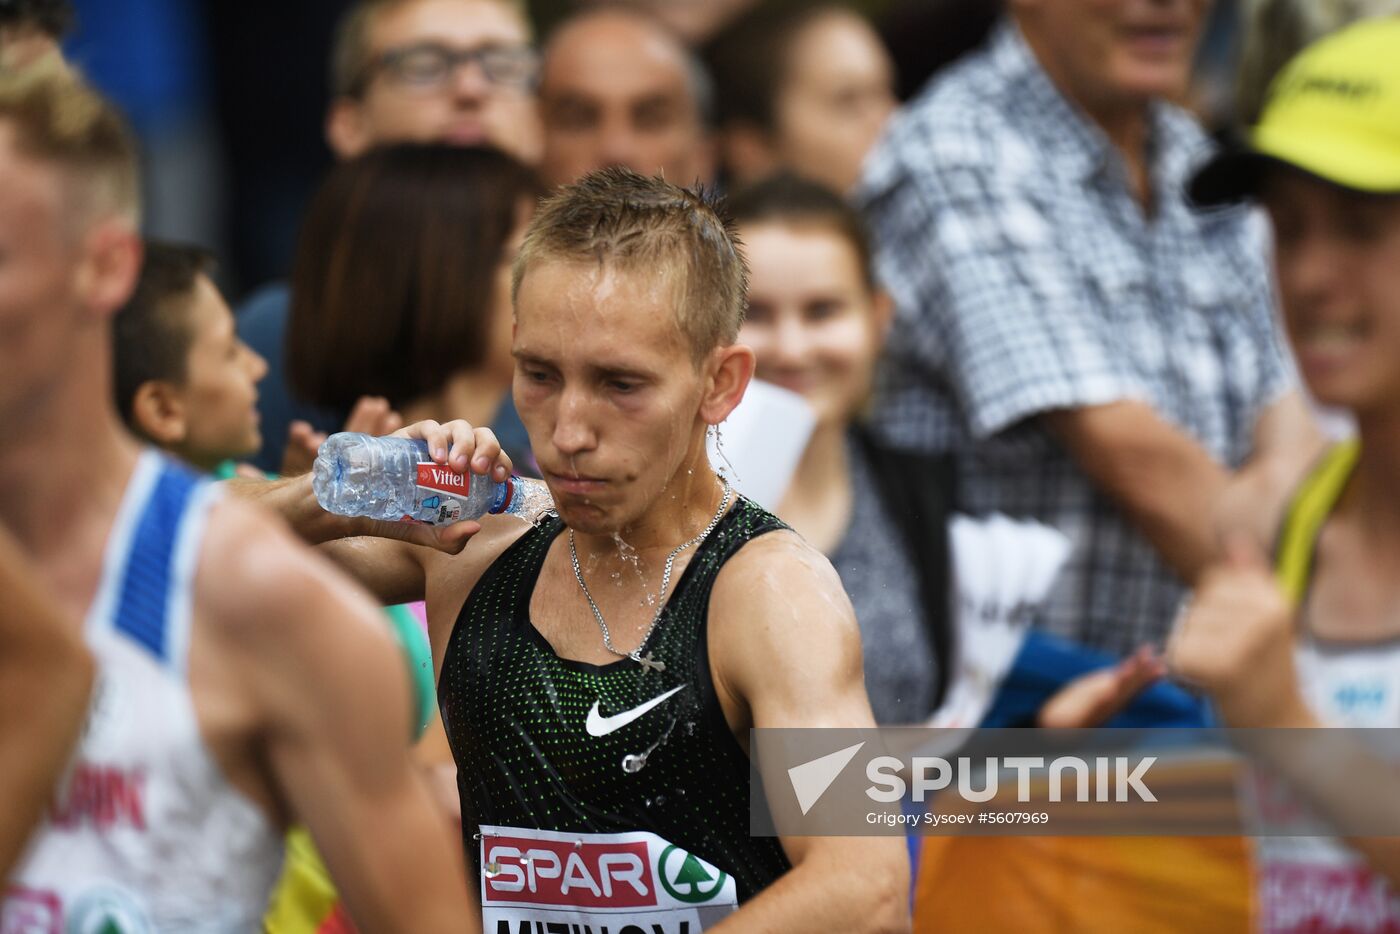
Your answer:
<point x="464" y="569"/>
<point x="451" y="578"/>
<point x="255" y="577"/>
<point x="779" y="596"/>
<point x="773" y="571"/>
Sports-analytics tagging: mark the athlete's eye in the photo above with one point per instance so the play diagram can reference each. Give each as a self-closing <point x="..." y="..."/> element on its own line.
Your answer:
<point x="623" y="385"/>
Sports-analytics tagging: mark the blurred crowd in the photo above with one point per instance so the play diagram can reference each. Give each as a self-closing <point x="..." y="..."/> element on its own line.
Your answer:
<point x="1125" y="269"/>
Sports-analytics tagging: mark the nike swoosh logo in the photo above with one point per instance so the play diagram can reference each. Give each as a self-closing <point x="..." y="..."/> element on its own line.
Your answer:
<point x="599" y="725"/>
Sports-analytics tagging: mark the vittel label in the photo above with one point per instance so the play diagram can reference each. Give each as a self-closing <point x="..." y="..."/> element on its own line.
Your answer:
<point x="439" y="478"/>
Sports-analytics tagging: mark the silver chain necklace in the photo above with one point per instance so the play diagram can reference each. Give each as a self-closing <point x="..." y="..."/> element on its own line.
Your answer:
<point x="646" y="661"/>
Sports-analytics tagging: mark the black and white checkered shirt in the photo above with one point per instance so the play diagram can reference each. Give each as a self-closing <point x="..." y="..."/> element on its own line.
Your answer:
<point x="1028" y="278"/>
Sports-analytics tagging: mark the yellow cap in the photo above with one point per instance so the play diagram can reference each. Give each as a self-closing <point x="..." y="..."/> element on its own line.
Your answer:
<point x="1333" y="112"/>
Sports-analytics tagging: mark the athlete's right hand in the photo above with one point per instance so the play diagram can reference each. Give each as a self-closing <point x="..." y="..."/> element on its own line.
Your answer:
<point x="457" y="446"/>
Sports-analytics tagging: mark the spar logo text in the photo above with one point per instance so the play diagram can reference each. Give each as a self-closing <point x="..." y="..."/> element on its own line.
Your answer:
<point x="585" y="875"/>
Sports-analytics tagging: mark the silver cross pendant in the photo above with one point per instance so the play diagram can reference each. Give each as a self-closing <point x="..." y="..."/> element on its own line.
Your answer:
<point x="646" y="661"/>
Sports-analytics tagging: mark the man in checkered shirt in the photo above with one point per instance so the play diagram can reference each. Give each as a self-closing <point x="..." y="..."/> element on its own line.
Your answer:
<point x="1098" y="355"/>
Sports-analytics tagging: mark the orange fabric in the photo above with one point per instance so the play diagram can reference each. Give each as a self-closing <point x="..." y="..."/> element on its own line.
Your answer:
<point x="1084" y="884"/>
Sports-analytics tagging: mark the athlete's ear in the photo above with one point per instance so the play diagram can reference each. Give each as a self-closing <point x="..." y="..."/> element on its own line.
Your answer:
<point x="729" y="371"/>
<point x="158" y="413"/>
<point x="110" y="266"/>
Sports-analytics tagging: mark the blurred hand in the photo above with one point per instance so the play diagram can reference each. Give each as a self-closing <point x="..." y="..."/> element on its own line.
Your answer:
<point x="371" y="415"/>
<point x="1095" y="698"/>
<point x="1235" y="641"/>
<point x="457" y="446"/>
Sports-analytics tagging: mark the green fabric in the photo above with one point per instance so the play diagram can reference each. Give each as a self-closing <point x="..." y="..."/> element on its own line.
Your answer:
<point x="419" y="657"/>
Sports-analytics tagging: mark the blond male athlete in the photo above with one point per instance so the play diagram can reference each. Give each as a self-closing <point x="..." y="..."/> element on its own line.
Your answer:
<point x="598" y="706"/>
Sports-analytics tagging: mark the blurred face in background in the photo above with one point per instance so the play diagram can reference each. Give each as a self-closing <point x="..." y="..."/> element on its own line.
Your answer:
<point x="1338" y="260"/>
<point x="837" y="94"/>
<point x="617" y="89"/>
<point x="455" y="71"/>
<point x="814" y="323"/>
<point x="216" y="412"/>
<point x="1106" y="54"/>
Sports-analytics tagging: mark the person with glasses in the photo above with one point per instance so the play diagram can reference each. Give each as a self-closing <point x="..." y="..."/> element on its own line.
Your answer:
<point x="458" y="71"/>
<point x="454" y="71"/>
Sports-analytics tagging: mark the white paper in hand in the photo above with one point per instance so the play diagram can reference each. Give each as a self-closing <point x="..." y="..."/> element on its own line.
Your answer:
<point x="1002" y="570"/>
<point x="764" y="438"/>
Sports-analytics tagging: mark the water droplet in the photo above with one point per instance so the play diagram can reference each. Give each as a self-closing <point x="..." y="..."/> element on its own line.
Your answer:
<point x="647" y="802"/>
<point x="493" y="870"/>
<point x="578" y="844"/>
<point x="680" y="792"/>
<point x="660" y="800"/>
<point x="632" y="764"/>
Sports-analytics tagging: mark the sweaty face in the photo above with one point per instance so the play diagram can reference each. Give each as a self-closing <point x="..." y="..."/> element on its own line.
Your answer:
<point x="220" y="392"/>
<point x="811" y="319"/>
<point x="1338" y="261"/>
<point x="838" y="93"/>
<point x="616" y="91"/>
<point x="1105" y="53"/>
<point x="402" y="101"/>
<point x="41" y="319"/>
<point x="606" y="387"/>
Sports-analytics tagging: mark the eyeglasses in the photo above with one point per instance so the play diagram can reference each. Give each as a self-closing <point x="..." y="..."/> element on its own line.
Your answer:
<point x="428" y="66"/>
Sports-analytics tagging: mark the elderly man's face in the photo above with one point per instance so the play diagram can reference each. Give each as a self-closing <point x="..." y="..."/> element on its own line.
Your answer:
<point x="458" y="71"/>
<point x="1103" y="53"/>
<point x="617" y="90"/>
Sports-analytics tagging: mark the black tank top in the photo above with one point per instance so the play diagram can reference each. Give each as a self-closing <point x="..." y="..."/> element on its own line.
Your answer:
<point x="518" y="716"/>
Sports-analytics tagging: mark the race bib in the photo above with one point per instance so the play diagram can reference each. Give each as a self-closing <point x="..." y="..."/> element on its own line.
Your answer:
<point x="543" y="882"/>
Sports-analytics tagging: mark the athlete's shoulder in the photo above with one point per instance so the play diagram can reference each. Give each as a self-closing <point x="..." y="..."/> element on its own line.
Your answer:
<point x="777" y="559"/>
<point x="255" y="576"/>
<point x="465" y="569"/>
<point x="778" y="580"/>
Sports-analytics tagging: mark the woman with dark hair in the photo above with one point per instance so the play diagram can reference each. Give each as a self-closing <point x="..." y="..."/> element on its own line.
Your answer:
<point x="401" y="286"/>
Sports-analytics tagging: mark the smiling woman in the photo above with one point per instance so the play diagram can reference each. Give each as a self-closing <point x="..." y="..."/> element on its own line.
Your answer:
<point x="816" y="322"/>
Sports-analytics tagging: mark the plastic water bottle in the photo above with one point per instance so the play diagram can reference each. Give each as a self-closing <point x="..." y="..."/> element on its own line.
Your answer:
<point x="396" y="479"/>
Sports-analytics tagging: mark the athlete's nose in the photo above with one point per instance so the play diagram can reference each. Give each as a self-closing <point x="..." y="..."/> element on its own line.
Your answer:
<point x="573" y="430"/>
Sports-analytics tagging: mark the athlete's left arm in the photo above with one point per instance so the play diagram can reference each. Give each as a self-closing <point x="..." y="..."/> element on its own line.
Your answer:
<point x="786" y="653"/>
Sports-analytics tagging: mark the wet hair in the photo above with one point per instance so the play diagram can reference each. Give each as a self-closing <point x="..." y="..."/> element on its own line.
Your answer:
<point x="751" y="58"/>
<point x="52" y="18"/>
<point x="391" y="285"/>
<point x="350" y="46"/>
<point x="617" y="218"/>
<point x="151" y="334"/>
<point x="787" y="199"/>
<point x="61" y="121"/>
